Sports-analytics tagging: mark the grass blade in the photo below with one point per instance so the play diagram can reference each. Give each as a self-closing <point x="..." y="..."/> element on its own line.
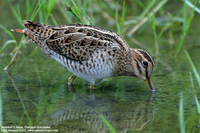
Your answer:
<point x="74" y="11"/>
<point x="13" y="58"/>
<point x="146" y="10"/>
<point x="193" y="67"/>
<point x="8" y="32"/>
<point x="16" y="15"/>
<point x="184" y="17"/>
<point x="90" y="21"/>
<point x="186" y="26"/>
<point x="123" y="15"/>
<point x="107" y="124"/>
<point x="181" y="114"/>
<point x="5" y="44"/>
<point x="116" y="19"/>
<point x="20" y="98"/>
<point x="192" y="6"/>
<point x="197" y="103"/>
<point x="1" y="109"/>
<point x="53" y="20"/>
<point x="19" y="14"/>
<point x="41" y="17"/>
<point x="51" y="4"/>
<point x="145" y="19"/>
<point x="27" y="8"/>
<point x="196" y="99"/>
<point x="36" y="10"/>
<point x="30" y="7"/>
<point x="153" y="26"/>
<point x="167" y="25"/>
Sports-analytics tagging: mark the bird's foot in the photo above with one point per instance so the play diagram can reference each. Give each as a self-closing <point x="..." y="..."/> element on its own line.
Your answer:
<point x="92" y="87"/>
<point x="71" y="80"/>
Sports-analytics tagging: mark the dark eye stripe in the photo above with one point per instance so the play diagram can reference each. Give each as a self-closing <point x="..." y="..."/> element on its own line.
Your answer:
<point x="145" y="63"/>
<point x="147" y="74"/>
<point x="147" y="56"/>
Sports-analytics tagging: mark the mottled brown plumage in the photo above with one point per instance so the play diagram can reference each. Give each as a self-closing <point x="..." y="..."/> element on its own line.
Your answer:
<point x="90" y="52"/>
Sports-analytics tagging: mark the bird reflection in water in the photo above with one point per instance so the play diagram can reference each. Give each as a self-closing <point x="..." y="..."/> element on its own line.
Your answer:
<point x="82" y="114"/>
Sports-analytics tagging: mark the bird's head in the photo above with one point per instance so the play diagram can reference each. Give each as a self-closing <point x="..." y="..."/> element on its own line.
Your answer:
<point x="143" y="65"/>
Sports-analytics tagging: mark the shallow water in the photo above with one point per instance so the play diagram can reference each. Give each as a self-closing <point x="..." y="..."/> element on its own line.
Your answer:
<point x="34" y="91"/>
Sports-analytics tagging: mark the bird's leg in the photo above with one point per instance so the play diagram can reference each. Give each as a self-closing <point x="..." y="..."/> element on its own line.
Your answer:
<point x="92" y="87"/>
<point x="71" y="79"/>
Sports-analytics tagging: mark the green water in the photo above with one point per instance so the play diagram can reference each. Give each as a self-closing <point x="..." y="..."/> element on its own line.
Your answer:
<point x="34" y="91"/>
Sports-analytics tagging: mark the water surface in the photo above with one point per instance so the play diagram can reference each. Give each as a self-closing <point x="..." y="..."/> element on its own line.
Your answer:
<point x="34" y="91"/>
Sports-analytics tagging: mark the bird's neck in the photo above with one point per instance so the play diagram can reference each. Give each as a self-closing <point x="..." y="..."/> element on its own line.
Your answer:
<point x="127" y="69"/>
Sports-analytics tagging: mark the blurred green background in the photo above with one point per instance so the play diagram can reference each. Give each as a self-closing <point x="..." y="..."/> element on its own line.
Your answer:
<point x="34" y="90"/>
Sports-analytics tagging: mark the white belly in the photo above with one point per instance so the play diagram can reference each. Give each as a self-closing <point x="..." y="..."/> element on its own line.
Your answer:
<point x="95" y="70"/>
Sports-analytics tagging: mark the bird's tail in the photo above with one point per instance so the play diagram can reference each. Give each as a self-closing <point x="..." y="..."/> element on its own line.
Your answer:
<point x="18" y="30"/>
<point x="30" y="35"/>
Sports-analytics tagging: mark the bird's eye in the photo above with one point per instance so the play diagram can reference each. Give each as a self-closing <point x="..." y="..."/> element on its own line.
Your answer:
<point x="145" y="63"/>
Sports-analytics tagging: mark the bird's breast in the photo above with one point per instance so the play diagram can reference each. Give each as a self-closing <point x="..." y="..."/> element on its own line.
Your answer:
<point x="100" y="65"/>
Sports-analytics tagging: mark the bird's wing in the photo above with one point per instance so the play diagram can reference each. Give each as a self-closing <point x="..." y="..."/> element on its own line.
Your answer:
<point x="77" y="41"/>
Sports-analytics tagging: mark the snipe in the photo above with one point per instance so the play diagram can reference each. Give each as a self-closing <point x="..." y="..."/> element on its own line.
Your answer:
<point x="90" y="52"/>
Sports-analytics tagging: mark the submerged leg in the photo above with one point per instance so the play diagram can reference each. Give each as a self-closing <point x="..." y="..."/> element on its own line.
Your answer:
<point x="71" y="79"/>
<point x="92" y="87"/>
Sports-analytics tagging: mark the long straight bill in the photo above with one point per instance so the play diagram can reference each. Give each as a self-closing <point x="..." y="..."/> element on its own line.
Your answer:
<point x="150" y="84"/>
